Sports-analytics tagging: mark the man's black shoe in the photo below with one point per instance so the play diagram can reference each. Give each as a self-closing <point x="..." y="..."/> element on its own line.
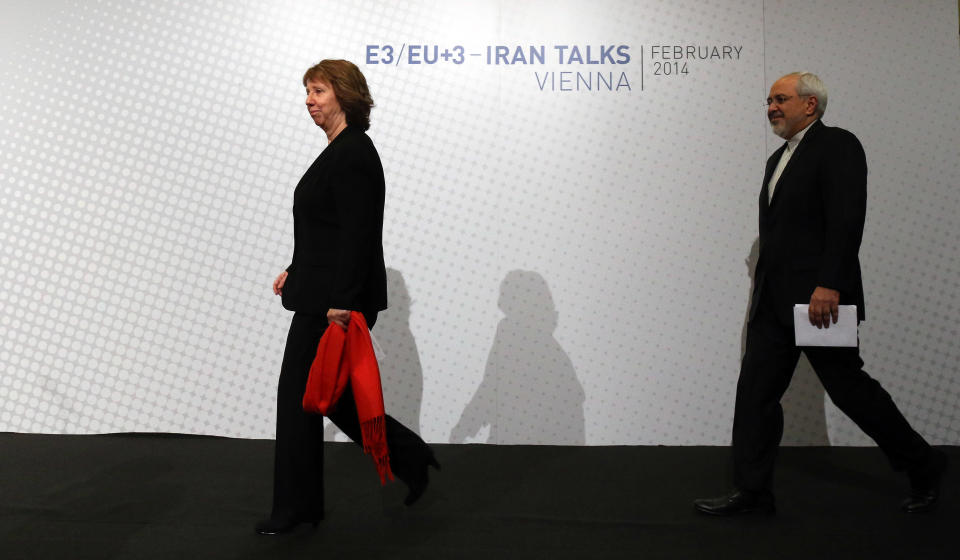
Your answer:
<point x="736" y="503"/>
<point x="925" y="484"/>
<point x="921" y="502"/>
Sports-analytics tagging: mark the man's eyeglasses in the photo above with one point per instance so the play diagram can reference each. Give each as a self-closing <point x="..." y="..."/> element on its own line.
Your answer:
<point x="779" y="99"/>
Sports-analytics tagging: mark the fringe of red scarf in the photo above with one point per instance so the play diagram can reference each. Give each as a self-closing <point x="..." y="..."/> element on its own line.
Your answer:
<point x="374" y="433"/>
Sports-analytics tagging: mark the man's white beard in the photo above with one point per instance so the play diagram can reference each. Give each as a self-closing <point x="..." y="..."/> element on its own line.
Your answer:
<point x="780" y="129"/>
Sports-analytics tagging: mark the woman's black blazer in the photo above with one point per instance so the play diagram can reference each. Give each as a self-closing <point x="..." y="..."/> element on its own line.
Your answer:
<point x="338" y="230"/>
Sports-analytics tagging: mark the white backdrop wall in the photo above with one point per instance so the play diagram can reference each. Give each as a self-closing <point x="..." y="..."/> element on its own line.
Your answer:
<point x="567" y="265"/>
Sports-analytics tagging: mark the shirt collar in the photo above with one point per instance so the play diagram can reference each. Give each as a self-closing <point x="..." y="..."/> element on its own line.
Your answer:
<point x="796" y="138"/>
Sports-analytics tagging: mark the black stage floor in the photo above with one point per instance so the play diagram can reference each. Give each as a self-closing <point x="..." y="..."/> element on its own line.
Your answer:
<point x="181" y="497"/>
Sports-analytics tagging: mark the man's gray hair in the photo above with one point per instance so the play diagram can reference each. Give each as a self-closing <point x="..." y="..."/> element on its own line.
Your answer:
<point x="810" y="84"/>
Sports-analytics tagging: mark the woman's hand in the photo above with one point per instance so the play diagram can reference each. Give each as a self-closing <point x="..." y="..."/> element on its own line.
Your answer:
<point x="339" y="316"/>
<point x="279" y="282"/>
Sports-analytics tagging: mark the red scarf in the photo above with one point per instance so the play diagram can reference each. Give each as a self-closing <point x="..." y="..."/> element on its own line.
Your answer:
<point x="344" y="357"/>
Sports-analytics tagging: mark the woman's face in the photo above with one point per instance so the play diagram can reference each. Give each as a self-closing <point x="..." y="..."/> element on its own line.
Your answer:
<point x="322" y="104"/>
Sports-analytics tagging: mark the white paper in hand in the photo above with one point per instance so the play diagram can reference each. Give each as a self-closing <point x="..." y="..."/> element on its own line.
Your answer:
<point x="843" y="333"/>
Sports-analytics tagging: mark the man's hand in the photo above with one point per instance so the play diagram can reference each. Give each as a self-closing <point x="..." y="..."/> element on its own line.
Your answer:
<point x="339" y="316"/>
<point x="823" y="305"/>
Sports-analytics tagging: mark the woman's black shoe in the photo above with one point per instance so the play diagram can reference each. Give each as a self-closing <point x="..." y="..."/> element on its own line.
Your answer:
<point x="273" y="526"/>
<point x="418" y="484"/>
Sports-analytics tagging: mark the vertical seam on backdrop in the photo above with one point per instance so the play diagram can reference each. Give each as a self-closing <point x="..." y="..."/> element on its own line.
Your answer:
<point x="501" y="221"/>
<point x="763" y="38"/>
<point x="763" y="54"/>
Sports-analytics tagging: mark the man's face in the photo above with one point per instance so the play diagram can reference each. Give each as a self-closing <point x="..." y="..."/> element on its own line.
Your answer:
<point x="789" y="113"/>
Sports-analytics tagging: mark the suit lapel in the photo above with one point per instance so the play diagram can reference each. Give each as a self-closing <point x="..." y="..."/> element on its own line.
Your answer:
<point x="798" y="153"/>
<point x="771" y="166"/>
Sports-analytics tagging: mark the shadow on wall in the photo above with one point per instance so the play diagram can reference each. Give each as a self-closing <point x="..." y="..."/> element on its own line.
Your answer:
<point x="400" y="371"/>
<point x="804" y="416"/>
<point x="530" y="393"/>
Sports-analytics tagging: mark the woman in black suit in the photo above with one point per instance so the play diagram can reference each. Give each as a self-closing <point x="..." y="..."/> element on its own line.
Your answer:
<point x="337" y="268"/>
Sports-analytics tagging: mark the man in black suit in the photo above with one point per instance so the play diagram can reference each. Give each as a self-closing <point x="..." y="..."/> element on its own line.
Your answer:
<point x="812" y="209"/>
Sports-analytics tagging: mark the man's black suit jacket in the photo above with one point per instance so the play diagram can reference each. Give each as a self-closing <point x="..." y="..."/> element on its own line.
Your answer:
<point x="810" y="231"/>
<point x="338" y="230"/>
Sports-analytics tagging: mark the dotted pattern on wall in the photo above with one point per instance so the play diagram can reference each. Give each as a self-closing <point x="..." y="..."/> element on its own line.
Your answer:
<point x="564" y="268"/>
